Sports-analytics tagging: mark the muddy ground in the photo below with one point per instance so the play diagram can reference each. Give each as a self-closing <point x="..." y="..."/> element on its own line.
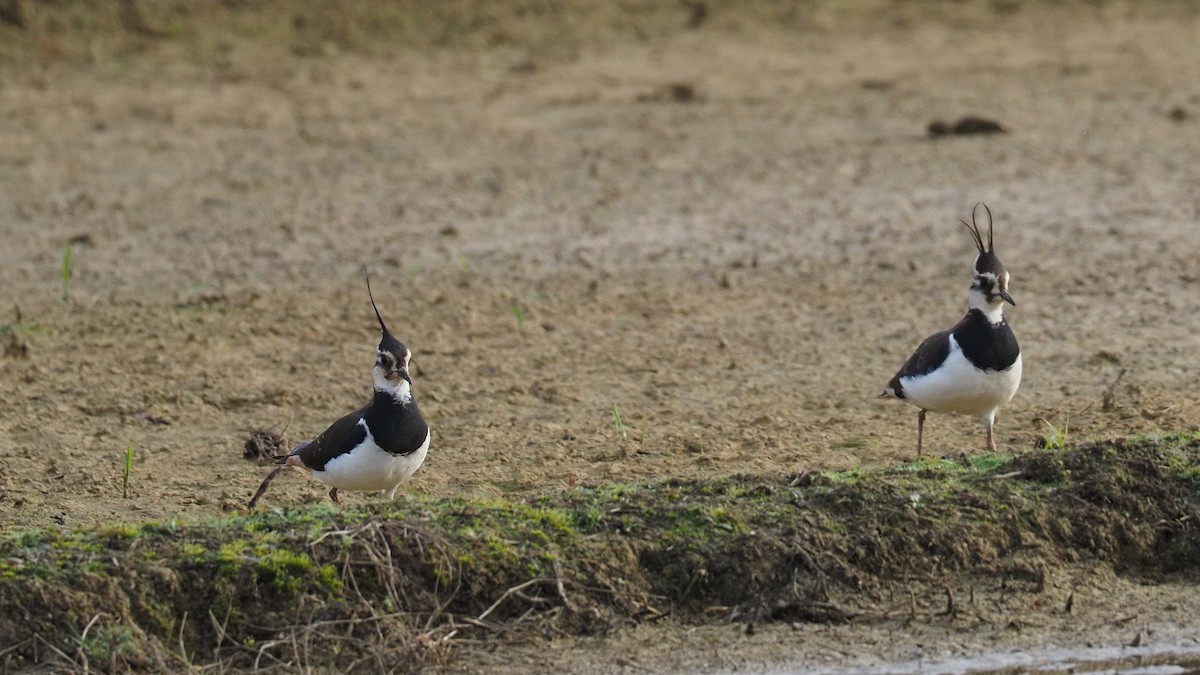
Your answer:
<point x="731" y="235"/>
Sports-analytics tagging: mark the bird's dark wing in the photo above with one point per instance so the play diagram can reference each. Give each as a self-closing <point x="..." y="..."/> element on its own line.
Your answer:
<point x="929" y="355"/>
<point x="341" y="437"/>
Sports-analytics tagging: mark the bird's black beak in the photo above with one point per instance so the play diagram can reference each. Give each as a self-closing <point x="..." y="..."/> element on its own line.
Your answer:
<point x="1008" y="298"/>
<point x="403" y="372"/>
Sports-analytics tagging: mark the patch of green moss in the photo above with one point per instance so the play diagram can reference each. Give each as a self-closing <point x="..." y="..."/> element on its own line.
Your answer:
<point x="192" y="551"/>
<point x="330" y="578"/>
<point x="286" y="569"/>
<point x="847" y="477"/>
<point x="231" y="554"/>
<point x="118" y="531"/>
<point x="74" y="543"/>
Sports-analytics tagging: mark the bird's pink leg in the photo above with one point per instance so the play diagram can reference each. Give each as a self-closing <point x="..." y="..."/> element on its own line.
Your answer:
<point x="920" y="430"/>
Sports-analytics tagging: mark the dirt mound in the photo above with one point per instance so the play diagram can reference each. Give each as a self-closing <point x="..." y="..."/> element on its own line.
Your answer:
<point x="344" y="588"/>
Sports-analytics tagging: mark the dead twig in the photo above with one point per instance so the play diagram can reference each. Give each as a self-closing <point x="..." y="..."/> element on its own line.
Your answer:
<point x="951" y="607"/>
<point x="562" y="592"/>
<point x="648" y="613"/>
<point x="264" y="650"/>
<point x="352" y="532"/>
<point x="263" y="488"/>
<point x="56" y="650"/>
<point x="818" y="610"/>
<point x="83" y="640"/>
<point x="183" y="649"/>
<point x="15" y="647"/>
<point x="442" y="605"/>
<point x="481" y="624"/>
<point x="508" y="594"/>
<point x="1110" y="392"/>
<point x="219" y="629"/>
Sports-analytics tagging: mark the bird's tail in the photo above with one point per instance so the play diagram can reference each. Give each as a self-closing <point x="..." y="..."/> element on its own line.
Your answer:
<point x="282" y="459"/>
<point x="891" y="391"/>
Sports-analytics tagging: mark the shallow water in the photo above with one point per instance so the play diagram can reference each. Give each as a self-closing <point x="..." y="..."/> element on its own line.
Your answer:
<point x="1163" y="659"/>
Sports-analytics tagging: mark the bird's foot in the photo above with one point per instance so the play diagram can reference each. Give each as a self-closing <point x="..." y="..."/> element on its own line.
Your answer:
<point x="333" y="494"/>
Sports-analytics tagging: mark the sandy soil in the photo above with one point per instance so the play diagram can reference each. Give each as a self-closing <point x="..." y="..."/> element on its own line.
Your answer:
<point x="732" y="238"/>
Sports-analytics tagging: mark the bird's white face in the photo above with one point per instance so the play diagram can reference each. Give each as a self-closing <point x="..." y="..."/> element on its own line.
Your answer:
<point x="391" y="374"/>
<point x="993" y="286"/>
<point x="989" y="292"/>
<point x="391" y="367"/>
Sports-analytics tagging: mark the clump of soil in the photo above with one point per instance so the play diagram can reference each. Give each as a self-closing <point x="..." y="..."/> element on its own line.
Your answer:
<point x="966" y="126"/>
<point x="264" y="444"/>
<point x="413" y="579"/>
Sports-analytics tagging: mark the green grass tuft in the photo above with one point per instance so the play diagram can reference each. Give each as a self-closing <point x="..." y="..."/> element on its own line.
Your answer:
<point x="1056" y="437"/>
<point x="618" y="422"/>
<point x="128" y="471"/>
<point x="68" y="253"/>
<point x="518" y="311"/>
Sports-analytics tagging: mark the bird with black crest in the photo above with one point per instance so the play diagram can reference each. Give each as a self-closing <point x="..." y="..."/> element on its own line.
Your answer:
<point x="378" y="446"/>
<point x="974" y="367"/>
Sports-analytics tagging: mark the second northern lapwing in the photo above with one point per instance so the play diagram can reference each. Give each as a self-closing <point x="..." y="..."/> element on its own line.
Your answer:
<point x="975" y="367"/>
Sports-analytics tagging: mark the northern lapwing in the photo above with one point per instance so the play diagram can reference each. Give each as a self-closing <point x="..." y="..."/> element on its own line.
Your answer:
<point x="376" y="447"/>
<point x="975" y="367"/>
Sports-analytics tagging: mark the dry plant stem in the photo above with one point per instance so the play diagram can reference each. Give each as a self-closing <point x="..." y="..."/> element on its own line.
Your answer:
<point x="219" y="628"/>
<point x="262" y="489"/>
<point x="1003" y="476"/>
<point x="61" y="653"/>
<point x="951" y="608"/>
<point x="13" y="647"/>
<point x="1110" y="392"/>
<point x="562" y="593"/>
<point x="83" y="638"/>
<point x="183" y="655"/>
<point x="507" y="594"/>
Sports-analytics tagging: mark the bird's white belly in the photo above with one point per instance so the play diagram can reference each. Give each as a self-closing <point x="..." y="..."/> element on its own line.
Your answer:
<point x="958" y="386"/>
<point x="369" y="467"/>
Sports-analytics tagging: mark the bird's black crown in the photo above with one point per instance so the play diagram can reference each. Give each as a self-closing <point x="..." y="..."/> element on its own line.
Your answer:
<point x="989" y="263"/>
<point x="388" y="343"/>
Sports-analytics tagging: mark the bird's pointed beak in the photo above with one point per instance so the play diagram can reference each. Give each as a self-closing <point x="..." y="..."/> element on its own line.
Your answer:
<point x="1008" y="298"/>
